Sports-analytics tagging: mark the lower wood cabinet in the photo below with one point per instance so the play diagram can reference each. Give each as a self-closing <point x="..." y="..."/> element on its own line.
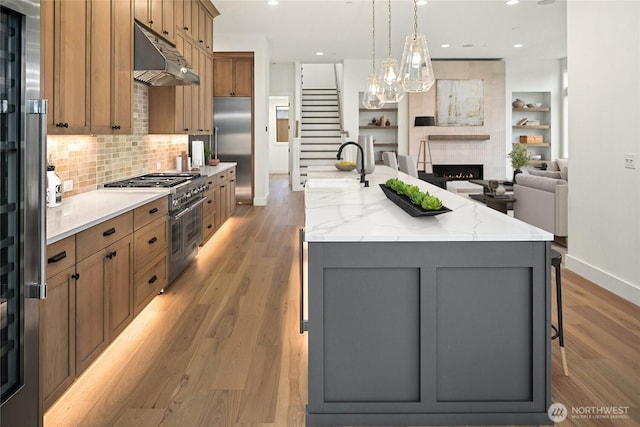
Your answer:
<point x="221" y="202"/>
<point x="57" y="322"/>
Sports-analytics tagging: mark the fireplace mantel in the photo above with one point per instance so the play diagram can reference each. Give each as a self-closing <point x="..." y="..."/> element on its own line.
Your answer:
<point x="459" y="137"/>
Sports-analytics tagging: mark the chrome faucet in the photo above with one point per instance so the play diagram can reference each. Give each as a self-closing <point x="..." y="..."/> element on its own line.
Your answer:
<point x="362" y="180"/>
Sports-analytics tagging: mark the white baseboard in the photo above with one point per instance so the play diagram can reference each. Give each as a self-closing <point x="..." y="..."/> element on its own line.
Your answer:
<point x="614" y="284"/>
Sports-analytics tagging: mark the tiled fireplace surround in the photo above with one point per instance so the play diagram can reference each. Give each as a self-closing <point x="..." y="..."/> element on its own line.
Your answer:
<point x="491" y="153"/>
<point x="92" y="160"/>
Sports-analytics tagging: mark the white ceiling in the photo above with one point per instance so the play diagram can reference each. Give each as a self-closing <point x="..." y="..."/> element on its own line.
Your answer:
<point x="296" y="29"/>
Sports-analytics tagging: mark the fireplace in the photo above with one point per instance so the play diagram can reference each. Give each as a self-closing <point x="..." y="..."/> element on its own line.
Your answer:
<point x="458" y="172"/>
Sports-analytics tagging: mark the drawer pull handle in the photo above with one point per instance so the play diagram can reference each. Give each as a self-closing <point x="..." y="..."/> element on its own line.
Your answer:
<point x="153" y="240"/>
<point x="75" y="276"/>
<point x="153" y="279"/>
<point x="154" y="210"/>
<point x="209" y="226"/>
<point x="112" y="254"/>
<point x="109" y="232"/>
<point x="209" y="201"/>
<point x="57" y="257"/>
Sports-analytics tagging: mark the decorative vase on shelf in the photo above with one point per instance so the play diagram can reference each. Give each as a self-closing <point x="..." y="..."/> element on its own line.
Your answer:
<point x="518" y="103"/>
<point x="500" y="190"/>
<point x="366" y="142"/>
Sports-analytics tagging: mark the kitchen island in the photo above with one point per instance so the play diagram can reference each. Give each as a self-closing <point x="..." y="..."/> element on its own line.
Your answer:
<point x="423" y="320"/>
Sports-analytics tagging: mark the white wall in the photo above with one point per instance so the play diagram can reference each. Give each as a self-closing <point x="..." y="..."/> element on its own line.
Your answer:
<point x="278" y="151"/>
<point x="259" y="46"/>
<point x="318" y="76"/>
<point x="282" y="78"/>
<point x="604" y="221"/>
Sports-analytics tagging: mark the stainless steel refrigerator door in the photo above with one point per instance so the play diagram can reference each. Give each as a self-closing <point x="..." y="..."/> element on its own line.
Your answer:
<point x="22" y="220"/>
<point x="232" y="118"/>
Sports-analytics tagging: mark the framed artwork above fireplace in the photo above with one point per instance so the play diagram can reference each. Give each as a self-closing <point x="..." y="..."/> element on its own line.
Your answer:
<point x="459" y="103"/>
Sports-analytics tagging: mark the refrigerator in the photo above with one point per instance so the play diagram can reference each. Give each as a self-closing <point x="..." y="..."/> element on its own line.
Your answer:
<point x="22" y="211"/>
<point x="232" y="140"/>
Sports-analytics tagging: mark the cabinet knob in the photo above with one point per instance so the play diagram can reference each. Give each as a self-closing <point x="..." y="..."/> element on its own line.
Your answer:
<point x="153" y="279"/>
<point x="165" y="32"/>
<point x="62" y="125"/>
<point x="112" y="254"/>
<point x="186" y="130"/>
<point x="153" y="240"/>
<point x="115" y="127"/>
<point x="185" y="28"/>
<point x="150" y="22"/>
<point x="75" y="276"/>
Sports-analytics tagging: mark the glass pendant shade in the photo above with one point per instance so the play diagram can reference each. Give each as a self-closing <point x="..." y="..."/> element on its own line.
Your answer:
<point x="390" y="85"/>
<point x="371" y="97"/>
<point x="416" y="72"/>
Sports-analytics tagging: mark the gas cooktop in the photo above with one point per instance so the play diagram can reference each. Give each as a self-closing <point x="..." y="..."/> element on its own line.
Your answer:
<point x="151" y="180"/>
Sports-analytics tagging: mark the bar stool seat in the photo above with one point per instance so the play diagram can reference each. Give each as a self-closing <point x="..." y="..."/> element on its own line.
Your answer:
<point x="556" y="260"/>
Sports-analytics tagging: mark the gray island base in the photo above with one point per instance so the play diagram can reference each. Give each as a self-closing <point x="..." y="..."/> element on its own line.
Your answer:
<point x="428" y="333"/>
<point x="434" y="321"/>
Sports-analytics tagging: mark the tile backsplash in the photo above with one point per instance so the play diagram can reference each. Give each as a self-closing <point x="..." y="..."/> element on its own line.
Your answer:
<point x="92" y="160"/>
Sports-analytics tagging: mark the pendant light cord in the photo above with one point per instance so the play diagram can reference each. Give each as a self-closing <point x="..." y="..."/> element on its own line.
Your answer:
<point x="389" y="28"/>
<point x="415" y="18"/>
<point x="373" y="38"/>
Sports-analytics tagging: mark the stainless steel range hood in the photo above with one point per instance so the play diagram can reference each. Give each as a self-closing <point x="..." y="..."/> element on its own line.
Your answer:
<point x="157" y="63"/>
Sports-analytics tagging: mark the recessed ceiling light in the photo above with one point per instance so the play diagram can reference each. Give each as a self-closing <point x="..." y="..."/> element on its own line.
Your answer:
<point x="446" y="45"/>
<point x="421" y="2"/>
<point x="518" y="45"/>
<point x="512" y="2"/>
<point x="319" y="53"/>
<point x="272" y="2"/>
<point x="467" y="45"/>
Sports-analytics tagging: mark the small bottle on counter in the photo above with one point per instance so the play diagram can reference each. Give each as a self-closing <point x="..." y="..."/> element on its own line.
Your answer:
<point x="185" y="161"/>
<point x="54" y="187"/>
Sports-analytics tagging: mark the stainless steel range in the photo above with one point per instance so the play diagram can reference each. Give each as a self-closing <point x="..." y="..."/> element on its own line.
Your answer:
<point x="185" y="212"/>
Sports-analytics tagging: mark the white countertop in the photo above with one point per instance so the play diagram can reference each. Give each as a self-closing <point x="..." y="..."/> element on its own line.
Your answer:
<point x="358" y="214"/>
<point x="85" y="210"/>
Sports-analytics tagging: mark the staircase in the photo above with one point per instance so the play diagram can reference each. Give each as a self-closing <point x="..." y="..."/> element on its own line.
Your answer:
<point x="320" y="129"/>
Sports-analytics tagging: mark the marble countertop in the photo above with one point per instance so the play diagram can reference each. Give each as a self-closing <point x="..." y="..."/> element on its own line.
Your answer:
<point x="353" y="213"/>
<point x="85" y="210"/>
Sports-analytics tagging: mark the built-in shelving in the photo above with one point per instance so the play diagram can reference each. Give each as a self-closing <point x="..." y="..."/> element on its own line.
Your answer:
<point x="541" y="115"/>
<point x="385" y="138"/>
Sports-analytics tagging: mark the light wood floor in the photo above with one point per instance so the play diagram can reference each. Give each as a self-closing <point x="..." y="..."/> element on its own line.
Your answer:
<point x="221" y="346"/>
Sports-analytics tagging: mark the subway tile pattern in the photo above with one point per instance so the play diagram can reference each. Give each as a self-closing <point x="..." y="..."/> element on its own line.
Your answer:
<point x="92" y="160"/>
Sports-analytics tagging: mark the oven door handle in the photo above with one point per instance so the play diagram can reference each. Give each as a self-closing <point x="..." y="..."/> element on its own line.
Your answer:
<point x="189" y="209"/>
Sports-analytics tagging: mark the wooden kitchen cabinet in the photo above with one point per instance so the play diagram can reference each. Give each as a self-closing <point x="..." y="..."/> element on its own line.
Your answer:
<point x="233" y="74"/>
<point x="231" y="193"/>
<point x="65" y="55"/>
<point x="157" y="15"/>
<point x="111" y="70"/>
<point x="210" y="221"/>
<point x="150" y="241"/>
<point x="104" y="289"/>
<point x="57" y="322"/>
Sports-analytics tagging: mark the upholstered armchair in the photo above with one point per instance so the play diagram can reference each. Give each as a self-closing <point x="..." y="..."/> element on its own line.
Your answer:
<point x="542" y="197"/>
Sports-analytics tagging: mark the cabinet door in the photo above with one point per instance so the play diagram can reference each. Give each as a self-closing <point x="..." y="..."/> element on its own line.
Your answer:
<point x="195" y="92"/>
<point x="208" y="34"/>
<point x="207" y="94"/>
<point x="168" y="20"/>
<point x="91" y="309"/>
<point x="243" y="77"/>
<point x="155" y="16"/>
<point x="122" y="67"/>
<point x="111" y="71"/>
<point x="223" y="200"/>
<point x="57" y="336"/>
<point x="119" y="284"/>
<point x="68" y="66"/>
<point x="222" y="77"/>
<point x="231" y="196"/>
<point x="141" y="11"/>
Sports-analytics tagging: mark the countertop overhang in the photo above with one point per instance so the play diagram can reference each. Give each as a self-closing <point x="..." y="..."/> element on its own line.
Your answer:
<point x="354" y="213"/>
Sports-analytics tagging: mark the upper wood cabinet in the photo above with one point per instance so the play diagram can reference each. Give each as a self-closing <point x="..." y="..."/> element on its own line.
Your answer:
<point x="157" y="15"/>
<point x="233" y="74"/>
<point x="65" y="65"/>
<point x="111" y="67"/>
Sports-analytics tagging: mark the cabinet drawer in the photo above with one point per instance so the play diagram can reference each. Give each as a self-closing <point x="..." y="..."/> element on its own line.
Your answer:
<point x="222" y="177"/>
<point x="150" y="212"/>
<point x="209" y="205"/>
<point x="102" y="235"/>
<point x="208" y="226"/>
<point x="149" y="281"/>
<point x="149" y="241"/>
<point x="60" y="255"/>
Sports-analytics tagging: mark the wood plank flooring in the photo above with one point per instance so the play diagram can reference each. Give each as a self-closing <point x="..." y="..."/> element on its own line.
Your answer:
<point x="221" y="347"/>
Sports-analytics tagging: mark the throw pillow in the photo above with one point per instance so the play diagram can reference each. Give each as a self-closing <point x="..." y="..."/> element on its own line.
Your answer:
<point x="552" y="166"/>
<point x="565" y="173"/>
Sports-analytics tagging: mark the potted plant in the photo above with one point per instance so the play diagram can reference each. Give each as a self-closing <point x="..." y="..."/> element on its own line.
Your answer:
<point x="519" y="158"/>
<point x="207" y="155"/>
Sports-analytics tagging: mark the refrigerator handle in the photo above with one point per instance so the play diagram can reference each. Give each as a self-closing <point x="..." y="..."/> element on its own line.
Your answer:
<point x="37" y="132"/>
<point x="215" y="142"/>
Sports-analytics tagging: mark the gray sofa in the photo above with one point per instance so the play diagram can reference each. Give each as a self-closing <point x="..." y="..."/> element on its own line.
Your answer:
<point x="542" y="197"/>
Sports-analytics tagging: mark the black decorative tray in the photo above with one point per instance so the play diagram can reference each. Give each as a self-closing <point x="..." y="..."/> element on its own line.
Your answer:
<point x="406" y="204"/>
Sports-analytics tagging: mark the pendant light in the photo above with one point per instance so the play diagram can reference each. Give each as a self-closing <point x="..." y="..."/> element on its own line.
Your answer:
<point x="416" y="72"/>
<point x="392" y="91"/>
<point x="371" y="99"/>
